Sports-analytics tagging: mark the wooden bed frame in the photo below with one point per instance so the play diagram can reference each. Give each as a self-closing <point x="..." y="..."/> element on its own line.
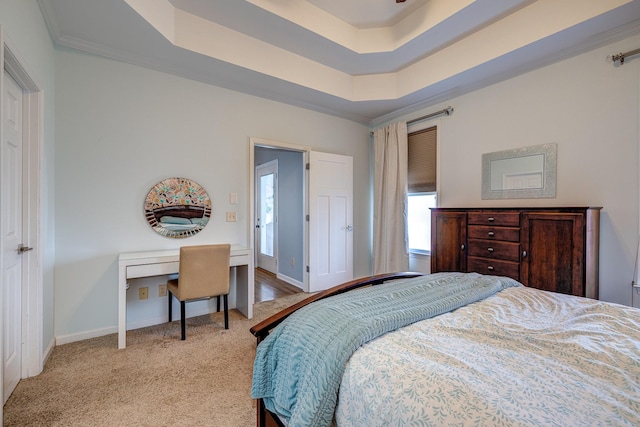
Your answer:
<point x="265" y="418"/>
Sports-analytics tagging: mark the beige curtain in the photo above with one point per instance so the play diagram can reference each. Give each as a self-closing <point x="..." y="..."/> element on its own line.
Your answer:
<point x="390" y="199"/>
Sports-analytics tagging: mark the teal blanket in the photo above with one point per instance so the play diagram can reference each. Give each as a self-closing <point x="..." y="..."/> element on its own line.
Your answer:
<point x="298" y="367"/>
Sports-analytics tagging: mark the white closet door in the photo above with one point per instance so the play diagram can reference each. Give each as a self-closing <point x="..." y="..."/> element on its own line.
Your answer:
<point x="11" y="228"/>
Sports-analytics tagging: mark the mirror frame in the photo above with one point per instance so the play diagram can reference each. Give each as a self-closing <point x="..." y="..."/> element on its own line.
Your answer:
<point x="549" y="173"/>
<point x="181" y="199"/>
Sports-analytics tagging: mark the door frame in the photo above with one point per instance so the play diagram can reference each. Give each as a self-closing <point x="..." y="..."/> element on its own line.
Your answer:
<point x="32" y="273"/>
<point x="262" y="142"/>
<point x="635" y="288"/>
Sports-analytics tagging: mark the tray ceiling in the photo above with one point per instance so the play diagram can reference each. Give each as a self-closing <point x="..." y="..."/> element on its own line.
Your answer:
<point x="364" y="60"/>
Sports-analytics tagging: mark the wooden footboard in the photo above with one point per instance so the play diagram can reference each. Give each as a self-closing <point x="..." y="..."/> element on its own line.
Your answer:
<point x="261" y="330"/>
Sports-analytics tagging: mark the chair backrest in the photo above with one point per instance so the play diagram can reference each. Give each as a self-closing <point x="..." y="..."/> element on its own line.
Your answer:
<point x="203" y="271"/>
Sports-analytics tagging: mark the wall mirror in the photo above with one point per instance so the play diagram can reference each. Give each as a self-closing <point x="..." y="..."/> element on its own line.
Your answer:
<point x="522" y="173"/>
<point x="177" y="208"/>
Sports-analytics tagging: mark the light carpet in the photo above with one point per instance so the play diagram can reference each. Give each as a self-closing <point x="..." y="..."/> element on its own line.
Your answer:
<point x="158" y="380"/>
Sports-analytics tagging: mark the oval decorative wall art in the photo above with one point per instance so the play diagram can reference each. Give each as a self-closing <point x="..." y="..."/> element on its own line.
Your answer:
<point x="177" y="208"/>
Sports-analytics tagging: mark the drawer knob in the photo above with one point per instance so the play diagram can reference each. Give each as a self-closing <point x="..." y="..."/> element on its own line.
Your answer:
<point x="524" y="254"/>
<point x="491" y="219"/>
<point x="491" y="234"/>
<point x="462" y="247"/>
<point x="490" y="268"/>
<point x="490" y="249"/>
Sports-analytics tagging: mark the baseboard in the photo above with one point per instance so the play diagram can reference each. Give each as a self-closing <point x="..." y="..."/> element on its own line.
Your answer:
<point x="80" y="336"/>
<point x="191" y="312"/>
<point x="290" y="280"/>
<point x="48" y="351"/>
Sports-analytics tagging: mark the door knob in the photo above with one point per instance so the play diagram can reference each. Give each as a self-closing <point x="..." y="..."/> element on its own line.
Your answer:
<point x="22" y="248"/>
<point x="349" y="228"/>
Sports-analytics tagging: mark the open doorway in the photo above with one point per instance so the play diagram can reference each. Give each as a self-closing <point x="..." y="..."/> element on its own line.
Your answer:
<point x="314" y="213"/>
<point x="279" y="224"/>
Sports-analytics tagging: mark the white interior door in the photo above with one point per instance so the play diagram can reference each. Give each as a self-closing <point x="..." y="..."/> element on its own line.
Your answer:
<point x="11" y="227"/>
<point x="267" y="216"/>
<point x="330" y="220"/>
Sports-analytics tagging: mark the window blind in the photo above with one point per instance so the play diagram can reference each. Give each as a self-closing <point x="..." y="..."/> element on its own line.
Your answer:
<point x="422" y="160"/>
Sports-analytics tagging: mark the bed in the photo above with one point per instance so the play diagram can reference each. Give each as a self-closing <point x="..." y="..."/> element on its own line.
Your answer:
<point x="447" y="349"/>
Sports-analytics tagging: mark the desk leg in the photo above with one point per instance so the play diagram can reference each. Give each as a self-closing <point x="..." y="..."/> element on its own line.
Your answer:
<point x="245" y="289"/>
<point x="122" y="307"/>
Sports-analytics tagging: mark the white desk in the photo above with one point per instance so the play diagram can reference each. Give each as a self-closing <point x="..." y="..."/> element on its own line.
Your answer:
<point x="157" y="263"/>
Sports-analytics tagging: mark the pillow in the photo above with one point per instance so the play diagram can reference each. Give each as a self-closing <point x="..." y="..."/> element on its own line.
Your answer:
<point x="175" y="220"/>
<point x="200" y="221"/>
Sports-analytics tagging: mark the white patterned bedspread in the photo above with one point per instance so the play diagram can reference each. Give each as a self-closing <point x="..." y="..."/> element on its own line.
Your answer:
<point x="522" y="357"/>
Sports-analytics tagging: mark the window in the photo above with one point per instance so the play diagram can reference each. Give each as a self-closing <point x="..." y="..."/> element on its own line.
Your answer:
<point x="421" y="187"/>
<point x="419" y="221"/>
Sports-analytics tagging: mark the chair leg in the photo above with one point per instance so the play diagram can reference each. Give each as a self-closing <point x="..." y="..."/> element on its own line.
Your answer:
<point x="218" y="304"/>
<point x="183" y="323"/>
<point x="169" y="295"/>
<point x="226" y="312"/>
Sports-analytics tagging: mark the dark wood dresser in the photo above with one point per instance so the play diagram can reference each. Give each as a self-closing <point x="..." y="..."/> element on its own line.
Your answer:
<point x="555" y="249"/>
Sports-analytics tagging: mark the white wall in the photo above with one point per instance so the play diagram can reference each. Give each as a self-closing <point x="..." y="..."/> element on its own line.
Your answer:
<point x="22" y="23"/>
<point x="120" y="129"/>
<point x="420" y="263"/>
<point x="586" y="105"/>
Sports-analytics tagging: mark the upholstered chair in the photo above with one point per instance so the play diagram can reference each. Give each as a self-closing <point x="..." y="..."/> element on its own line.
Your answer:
<point x="203" y="273"/>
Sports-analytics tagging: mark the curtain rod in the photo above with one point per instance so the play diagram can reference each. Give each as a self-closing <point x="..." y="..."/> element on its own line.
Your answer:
<point x="620" y="56"/>
<point x="447" y="112"/>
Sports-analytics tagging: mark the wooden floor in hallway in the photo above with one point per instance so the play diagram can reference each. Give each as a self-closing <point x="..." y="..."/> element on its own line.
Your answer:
<point x="268" y="286"/>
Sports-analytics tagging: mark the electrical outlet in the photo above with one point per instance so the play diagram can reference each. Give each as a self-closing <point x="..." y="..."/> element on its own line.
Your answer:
<point x="233" y="198"/>
<point x="231" y="216"/>
<point x="162" y="290"/>
<point x="143" y="293"/>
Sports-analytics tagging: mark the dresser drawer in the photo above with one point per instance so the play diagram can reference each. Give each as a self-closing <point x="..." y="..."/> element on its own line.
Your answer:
<point x="488" y="232"/>
<point x="493" y="267"/>
<point x="496" y="250"/>
<point x="504" y="219"/>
